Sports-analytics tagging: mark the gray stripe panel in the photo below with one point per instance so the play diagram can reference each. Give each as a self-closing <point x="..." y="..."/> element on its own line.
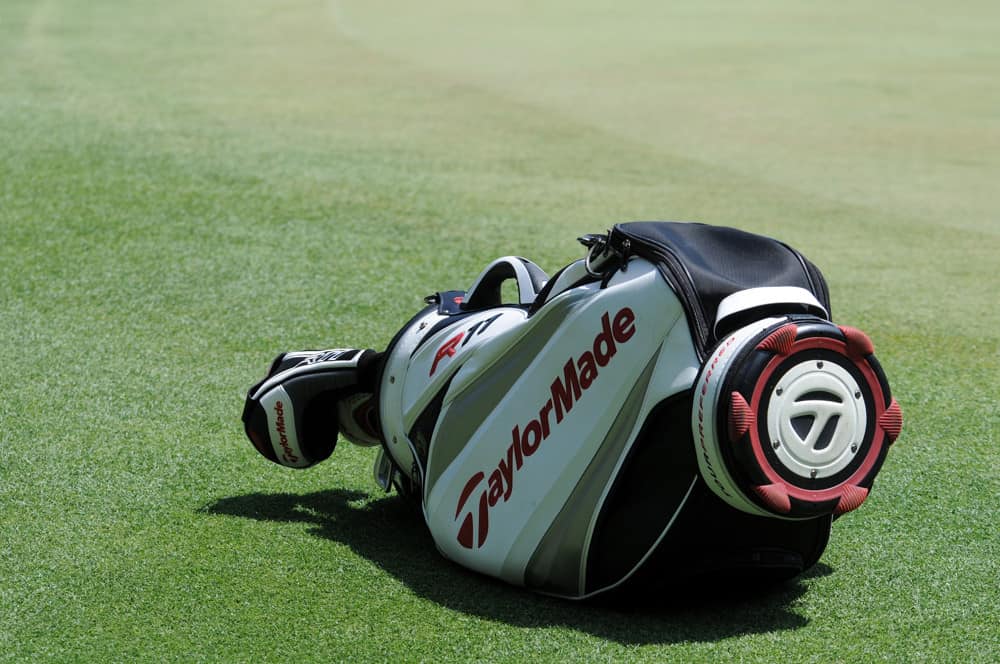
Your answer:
<point x="470" y="408"/>
<point x="556" y="564"/>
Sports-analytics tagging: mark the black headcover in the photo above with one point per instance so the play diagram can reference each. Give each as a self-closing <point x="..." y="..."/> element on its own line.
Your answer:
<point x="291" y="415"/>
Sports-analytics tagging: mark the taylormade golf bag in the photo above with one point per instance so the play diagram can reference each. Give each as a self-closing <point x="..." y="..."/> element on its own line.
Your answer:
<point x="677" y="404"/>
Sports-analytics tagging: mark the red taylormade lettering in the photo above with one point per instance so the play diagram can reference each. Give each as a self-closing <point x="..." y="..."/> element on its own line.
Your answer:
<point x="279" y="425"/>
<point x="564" y="393"/>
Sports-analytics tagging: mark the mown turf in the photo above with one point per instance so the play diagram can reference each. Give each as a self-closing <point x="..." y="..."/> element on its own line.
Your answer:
<point x="187" y="188"/>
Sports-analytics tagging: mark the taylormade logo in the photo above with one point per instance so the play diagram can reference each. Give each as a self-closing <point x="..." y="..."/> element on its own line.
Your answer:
<point x="565" y="391"/>
<point x="279" y="424"/>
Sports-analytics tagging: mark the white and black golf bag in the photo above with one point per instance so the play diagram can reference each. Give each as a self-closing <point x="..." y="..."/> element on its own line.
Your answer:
<point x="676" y="405"/>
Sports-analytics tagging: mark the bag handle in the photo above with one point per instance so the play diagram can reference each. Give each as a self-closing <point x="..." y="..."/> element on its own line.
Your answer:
<point x="486" y="291"/>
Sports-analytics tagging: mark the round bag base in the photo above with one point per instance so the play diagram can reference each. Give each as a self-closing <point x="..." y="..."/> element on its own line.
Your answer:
<point x="793" y="417"/>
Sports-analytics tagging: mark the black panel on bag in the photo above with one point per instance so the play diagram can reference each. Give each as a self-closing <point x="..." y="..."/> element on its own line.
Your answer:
<point x="650" y="486"/>
<point x="709" y="542"/>
<point x="713" y="547"/>
<point x="423" y="429"/>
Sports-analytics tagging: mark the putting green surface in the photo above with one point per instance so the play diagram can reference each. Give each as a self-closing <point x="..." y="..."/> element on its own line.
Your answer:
<point x="188" y="188"/>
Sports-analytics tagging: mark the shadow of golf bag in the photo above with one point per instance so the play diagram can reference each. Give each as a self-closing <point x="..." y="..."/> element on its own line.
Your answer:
<point x="675" y="406"/>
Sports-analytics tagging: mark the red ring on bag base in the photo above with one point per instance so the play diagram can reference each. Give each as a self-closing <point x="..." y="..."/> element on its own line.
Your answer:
<point x="785" y="492"/>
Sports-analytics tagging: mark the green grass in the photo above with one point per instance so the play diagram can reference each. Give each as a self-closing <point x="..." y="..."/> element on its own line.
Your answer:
<point x="187" y="188"/>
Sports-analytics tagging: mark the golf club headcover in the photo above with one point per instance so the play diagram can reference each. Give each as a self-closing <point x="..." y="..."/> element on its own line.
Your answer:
<point x="291" y="416"/>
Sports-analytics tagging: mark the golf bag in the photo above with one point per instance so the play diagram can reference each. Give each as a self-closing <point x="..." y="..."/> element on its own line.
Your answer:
<point x="677" y="405"/>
